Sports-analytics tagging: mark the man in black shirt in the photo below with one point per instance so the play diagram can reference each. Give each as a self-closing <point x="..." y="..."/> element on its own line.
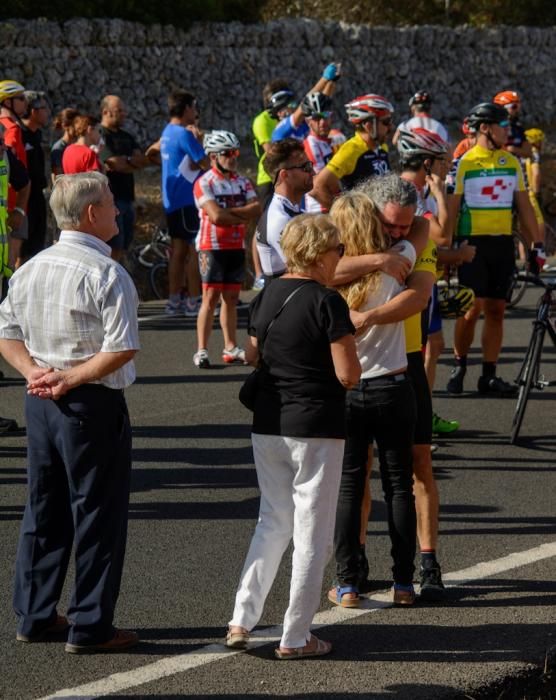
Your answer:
<point x="36" y="118"/>
<point x="121" y="157"/>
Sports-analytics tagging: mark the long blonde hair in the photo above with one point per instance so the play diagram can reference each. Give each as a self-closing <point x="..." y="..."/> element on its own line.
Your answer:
<point x="355" y="216"/>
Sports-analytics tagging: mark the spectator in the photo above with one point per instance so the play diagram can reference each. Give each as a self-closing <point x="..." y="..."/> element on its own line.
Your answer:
<point x="298" y="431"/>
<point x="79" y="157"/>
<point x="122" y="157"/>
<point x="35" y="119"/>
<point x="62" y="122"/>
<point x="182" y="158"/>
<point x="69" y="325"/>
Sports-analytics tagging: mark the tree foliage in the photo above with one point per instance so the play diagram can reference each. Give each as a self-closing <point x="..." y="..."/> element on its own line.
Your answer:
<point x="375" y="12"/>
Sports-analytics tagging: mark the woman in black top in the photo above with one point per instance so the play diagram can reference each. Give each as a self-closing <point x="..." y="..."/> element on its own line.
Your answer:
<point x="309" y="360"/>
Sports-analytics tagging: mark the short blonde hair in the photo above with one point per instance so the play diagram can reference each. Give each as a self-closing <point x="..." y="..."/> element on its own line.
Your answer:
<point x="305" y="238"/>
<point x="356" y="216"/>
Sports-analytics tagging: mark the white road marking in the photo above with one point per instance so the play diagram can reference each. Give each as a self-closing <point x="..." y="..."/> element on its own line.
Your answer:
<point x="172" y="665"/>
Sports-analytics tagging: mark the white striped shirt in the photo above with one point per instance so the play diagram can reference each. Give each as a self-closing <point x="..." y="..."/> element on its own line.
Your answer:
<point x="70" y="302"/>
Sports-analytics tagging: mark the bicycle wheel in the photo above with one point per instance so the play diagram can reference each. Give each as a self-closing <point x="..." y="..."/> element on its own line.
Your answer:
<point x="528" y="376"/>
<point x="518" y="286"/>
<point x="159" y="280"/>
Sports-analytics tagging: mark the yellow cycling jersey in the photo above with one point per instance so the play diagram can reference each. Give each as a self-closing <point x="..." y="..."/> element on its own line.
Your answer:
<point x="426" y="262"/>
<point x="263" y="126"/>
<point x="354" y="161"/>
<point x="487" y="181"/>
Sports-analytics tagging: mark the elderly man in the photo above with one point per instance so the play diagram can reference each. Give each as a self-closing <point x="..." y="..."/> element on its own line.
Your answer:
<point x="69" y="326"/>
<point x="122" y="157"/>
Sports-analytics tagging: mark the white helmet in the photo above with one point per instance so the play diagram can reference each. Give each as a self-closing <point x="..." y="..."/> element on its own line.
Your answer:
<point x="216" y="141"/>
<point x="420" y="142"/>
<point x="367" y="107"/>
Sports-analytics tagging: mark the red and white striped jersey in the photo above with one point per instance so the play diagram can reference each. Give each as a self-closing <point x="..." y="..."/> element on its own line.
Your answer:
<point x="319" y="151"/>
<point x="237" y="191"/>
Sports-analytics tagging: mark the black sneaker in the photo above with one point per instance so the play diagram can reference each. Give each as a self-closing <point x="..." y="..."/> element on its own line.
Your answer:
<point x="7" y="425"/>
<point x="496" y="387"/>
<point x="455" y="385"/>
<point x="432" y="588"/>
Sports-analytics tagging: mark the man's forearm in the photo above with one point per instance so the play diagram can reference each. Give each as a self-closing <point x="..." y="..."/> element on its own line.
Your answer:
<point x="16" y="354"/>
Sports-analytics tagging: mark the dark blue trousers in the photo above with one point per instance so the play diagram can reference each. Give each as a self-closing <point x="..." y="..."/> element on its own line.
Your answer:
<point x="79" y="467"/>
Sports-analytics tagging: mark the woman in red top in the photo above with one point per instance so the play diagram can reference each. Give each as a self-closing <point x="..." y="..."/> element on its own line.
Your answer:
<point x="79" y="157"/>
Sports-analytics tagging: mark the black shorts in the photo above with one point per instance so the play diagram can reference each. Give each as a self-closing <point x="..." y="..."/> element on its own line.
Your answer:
<point x="184" y="223"/>
<point x="417" y="374"/>
<point x="222" y="269"/>
<point x="490" y="272"/>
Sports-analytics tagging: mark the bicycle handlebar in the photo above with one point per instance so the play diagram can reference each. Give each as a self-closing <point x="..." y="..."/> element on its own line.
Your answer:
<point x="549" y="283"/>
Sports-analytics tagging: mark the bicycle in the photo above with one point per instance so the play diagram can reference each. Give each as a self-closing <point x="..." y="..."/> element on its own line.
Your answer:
<point x="519" y="281"/>
<point x="529" y="374"/>
<point x="155" y="256"/>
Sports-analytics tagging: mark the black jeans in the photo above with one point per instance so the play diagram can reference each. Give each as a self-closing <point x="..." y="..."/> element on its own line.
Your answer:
<point x="381" y="410"/>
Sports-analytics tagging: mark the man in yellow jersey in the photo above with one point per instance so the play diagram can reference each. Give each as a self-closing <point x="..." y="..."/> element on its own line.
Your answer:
<point x="407" y="306"/>
<point x="489" y="182"/>
<point x="363" y="155"/>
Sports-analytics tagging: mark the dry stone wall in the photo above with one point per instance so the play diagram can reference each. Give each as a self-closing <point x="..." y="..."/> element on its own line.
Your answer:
<point x="226" y="65"/>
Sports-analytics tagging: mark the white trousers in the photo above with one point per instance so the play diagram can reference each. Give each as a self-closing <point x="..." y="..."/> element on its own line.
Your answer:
<point x="299" y="481"/>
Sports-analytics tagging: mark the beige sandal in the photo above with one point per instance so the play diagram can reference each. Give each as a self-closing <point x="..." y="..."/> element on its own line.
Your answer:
<point x="237" y="640"/>
<point x="320" y="648"/>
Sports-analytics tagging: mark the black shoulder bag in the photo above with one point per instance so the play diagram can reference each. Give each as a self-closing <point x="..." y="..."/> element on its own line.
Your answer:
<point x="250" y="387"/>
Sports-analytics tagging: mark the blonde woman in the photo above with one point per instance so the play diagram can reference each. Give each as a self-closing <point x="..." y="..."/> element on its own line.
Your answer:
<point x="308" y="361"/>
<point x="381" y="409"/>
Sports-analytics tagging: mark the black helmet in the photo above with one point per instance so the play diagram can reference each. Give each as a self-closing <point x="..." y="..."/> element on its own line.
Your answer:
<point x="279" y="100"/>
<point x="316" y="103"/>
<point x="422" y="97"/>
<point x="486" y="113"/>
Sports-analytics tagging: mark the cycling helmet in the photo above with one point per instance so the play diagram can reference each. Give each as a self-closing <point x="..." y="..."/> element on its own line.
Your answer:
<point x="367" y="107"/>
<point x="279" y="100"/>
<point x="420" y="142"/>
<point x="535" y="135"/>
<point x="455" y="300"/>
<point x="466" y="129"/>
<point x="508" y="97"/>
<point x="315" y="103"/>
<point x="10" y="88"/>
<point x="486" y="113"/>
<point x="420" y="98"/>
<point x="216" y="141"/>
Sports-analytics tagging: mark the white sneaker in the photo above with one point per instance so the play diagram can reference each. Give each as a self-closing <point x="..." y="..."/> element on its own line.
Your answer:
<point x="235" y="354"/>
<point x="191" y="306"/>
<point x="201" y="359"/>
<point x="172" y="309"/>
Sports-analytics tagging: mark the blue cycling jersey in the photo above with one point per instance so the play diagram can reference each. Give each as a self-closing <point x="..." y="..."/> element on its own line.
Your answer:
<point x="286" y="130"/>
<point x="179" y="151"/>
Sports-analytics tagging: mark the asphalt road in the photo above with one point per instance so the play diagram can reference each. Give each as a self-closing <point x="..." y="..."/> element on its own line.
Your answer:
<point x="193" y="507"/>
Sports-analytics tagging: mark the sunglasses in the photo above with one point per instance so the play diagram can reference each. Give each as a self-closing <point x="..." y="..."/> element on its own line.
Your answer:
<point x="387" y="121"/>
<point x="230" y="153"/>
<point x="340" y="249"/>
<point x="307" y="167"/>
<point x="504" y="123"/>
<point x="320" y="115"/>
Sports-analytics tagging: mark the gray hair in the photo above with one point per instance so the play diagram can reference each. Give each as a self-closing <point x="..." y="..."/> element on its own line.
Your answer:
<point x="73" y="193"/>
<point x="383" y="189"/>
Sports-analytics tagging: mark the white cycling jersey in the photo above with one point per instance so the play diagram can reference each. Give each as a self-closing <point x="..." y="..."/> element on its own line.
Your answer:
<point x="269" y="232"/>
<point x="425" y="122"/>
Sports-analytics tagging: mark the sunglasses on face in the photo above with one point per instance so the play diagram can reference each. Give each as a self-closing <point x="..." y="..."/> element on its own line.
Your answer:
<point x="307" y="167"/>
<point x="504" y="123"/>
<point x="230" y="153"/>
<point x="387" y="121"/>
<point x="321" y="115"/>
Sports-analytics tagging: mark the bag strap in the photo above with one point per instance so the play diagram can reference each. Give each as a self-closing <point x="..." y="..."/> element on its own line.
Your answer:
<point x="287" y="300"/>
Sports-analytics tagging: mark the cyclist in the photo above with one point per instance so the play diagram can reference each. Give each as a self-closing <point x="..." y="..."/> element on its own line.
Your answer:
<point x="361" y="156"/>
<point x="489" y="181"/>
<point x="292" y="174"/>
<point x="466" y="143"/>
<point x="532" y="165"/>
<point x="279" y="102"/>
<point x="424" y="162"/>
<point x="226" y="201"/>
<point x="516" y="142"/>
<point x="420" y="107"/>
<point x="294" y="125"/>
<point x="12" y="107"/>
<point x="318" y="144"/>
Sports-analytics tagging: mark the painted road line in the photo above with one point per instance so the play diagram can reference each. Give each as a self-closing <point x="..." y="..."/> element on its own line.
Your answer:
<point x="173" y="665"/>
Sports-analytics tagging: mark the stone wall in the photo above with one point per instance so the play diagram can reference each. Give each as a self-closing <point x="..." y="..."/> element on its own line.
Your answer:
<point x="226" y="65"/>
